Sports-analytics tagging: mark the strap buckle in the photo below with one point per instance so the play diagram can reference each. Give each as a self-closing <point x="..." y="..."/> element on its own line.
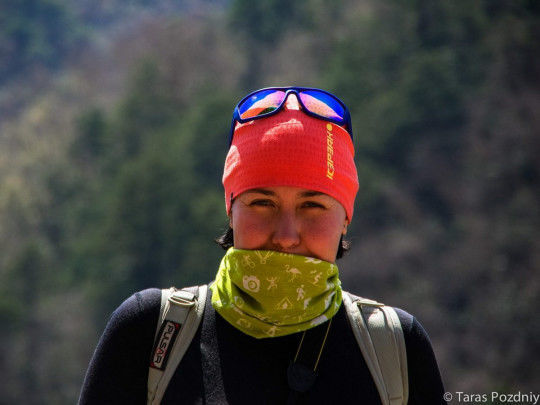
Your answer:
<point x="183" y="298"/>
<point x="364" y="302"/>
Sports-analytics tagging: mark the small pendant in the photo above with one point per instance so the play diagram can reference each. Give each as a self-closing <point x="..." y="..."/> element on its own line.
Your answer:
<point x="300" y="377"/>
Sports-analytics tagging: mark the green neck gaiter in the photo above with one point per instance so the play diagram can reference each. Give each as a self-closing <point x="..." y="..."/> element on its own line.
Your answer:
<point x="266" y="293"/>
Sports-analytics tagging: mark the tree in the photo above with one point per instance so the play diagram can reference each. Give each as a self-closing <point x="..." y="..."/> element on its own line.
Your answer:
<point x="34" y="34"/>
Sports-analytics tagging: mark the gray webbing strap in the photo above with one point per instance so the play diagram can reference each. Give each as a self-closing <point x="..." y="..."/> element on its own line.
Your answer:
<point x="178" y="307"/>
<point x="378" y="332"/>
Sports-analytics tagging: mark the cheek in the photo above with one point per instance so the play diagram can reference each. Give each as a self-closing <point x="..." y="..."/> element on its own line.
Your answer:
<point x="323" y="233"/>
<point x="322" y="236"/>
<point x="249" y="231"/>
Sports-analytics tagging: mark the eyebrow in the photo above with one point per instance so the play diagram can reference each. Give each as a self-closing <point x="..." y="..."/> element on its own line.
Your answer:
<point x="259" y="191"/>
<point x="311" y="193"/>
<point x="303" y="194"/>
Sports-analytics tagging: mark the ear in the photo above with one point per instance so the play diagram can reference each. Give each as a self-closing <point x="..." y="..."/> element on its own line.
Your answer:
<point x="345" y="225"/>
<point x="229" y="214"/>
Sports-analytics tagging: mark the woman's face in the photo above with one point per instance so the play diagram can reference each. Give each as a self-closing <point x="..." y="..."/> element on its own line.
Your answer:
<point x="288" y="219"/>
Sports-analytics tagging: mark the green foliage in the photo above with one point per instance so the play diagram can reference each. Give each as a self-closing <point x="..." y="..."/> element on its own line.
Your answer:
<point x="34" y="33"/>
<point x="267" y="21"/>
<point x="144" y="231"/>
<point x="23" y="272"/>
<point x="91" y="142"/>
<point x="260" y="26"/>
<point x="147" y="107"/>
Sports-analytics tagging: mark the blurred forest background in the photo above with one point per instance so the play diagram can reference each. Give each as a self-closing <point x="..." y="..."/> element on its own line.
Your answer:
<point x="113" y="123"/>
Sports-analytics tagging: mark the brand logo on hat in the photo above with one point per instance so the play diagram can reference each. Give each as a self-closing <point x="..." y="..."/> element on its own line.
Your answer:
<point x="329" y="152"/>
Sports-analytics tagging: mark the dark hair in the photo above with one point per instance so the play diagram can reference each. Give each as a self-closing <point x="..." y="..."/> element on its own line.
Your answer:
<point x="226" y="241"/>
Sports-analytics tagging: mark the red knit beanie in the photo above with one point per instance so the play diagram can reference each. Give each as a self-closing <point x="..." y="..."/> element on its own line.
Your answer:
<point x="292" y="149"/>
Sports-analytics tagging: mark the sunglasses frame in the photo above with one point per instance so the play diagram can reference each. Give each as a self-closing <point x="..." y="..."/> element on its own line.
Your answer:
<point x="288" y="91"/>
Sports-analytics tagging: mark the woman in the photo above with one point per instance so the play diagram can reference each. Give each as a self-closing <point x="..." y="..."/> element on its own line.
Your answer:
<point x="290" y="183"/>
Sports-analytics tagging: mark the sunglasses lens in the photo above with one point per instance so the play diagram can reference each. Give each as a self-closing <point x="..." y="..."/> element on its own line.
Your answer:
<point x="322" y="104"/>
<point x="260" y="103"/>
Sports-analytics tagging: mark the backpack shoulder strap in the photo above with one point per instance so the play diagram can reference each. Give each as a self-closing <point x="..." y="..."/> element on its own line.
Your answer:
<point x="379" y="334"/>
<point x="180" y="315"/>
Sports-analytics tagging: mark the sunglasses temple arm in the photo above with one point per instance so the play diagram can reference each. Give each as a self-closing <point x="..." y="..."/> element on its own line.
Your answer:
<point x="348" y="122"/>
<point x="231" y="132"/>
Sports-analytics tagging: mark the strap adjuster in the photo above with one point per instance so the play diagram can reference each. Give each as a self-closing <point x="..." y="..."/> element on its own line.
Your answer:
<point x="183" y="298"/>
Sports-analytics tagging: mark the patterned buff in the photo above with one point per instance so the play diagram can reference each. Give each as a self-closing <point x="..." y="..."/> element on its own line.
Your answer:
<point x="265" y="293"/>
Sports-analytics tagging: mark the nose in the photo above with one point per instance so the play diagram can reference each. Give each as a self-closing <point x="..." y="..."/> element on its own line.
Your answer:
<point x="286" y="234"/>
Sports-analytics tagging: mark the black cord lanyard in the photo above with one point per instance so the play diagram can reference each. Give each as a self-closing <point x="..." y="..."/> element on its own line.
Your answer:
<point x="300" y="375"/>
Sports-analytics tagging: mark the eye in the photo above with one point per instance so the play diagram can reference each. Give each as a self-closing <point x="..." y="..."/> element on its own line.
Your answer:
<point x="313" y="204"/>
<point x="261" y="203"/>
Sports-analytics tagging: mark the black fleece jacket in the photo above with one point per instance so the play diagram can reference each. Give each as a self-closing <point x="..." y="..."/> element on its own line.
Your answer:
<point x="225" y="366"/>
